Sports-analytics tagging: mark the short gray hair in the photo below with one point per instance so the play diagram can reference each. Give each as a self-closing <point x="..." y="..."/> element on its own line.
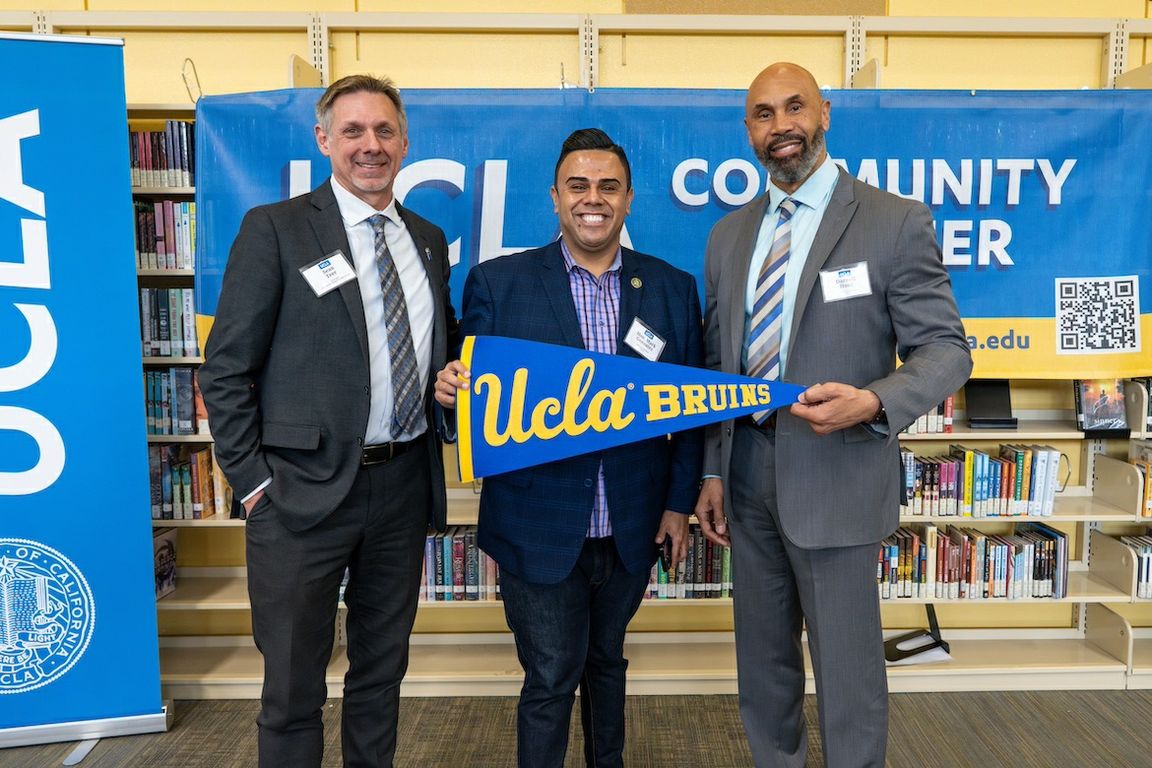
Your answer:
<point x="359" y="84"/>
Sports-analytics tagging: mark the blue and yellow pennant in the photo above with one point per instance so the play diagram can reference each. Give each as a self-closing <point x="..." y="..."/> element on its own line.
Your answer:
<point x="531" y="403"/>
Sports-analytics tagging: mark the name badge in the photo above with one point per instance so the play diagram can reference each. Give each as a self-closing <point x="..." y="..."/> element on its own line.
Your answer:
<point x="845" y="282"/>
<point x="329" y="273"/>
<point x="644" y="340"/>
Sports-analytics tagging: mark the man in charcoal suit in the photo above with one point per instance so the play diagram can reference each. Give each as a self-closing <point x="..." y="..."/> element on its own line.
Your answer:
<point x="575" y="539"/>
<point x="333" y="317"/>
<point x="821" y="281"/>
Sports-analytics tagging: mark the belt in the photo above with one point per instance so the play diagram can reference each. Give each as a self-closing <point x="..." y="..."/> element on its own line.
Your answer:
<point x="767" y="426"/>
<point x="385" y="452"/>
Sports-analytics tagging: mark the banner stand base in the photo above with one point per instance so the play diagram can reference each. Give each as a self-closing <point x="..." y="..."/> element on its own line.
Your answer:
<point x="84" y="730"/>
<point x="83" y="749"/>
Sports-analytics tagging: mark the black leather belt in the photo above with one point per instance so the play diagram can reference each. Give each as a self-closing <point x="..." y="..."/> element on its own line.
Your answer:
<point x="767" y="426"/>
<point x="385" y="452"/>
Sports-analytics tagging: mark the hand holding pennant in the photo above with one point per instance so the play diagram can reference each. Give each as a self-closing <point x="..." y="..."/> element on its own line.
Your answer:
<point x="530" y="403"/>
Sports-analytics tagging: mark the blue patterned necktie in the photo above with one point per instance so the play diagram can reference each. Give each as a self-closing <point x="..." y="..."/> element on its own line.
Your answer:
<point x="406" y="398"/>
<point x="764" y="331"/>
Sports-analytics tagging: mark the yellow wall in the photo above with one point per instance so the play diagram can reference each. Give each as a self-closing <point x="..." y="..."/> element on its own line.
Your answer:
<point x="239" y="61"/>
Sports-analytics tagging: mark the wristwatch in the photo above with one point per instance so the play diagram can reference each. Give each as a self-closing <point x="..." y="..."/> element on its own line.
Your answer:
<point x="881" y="417"/>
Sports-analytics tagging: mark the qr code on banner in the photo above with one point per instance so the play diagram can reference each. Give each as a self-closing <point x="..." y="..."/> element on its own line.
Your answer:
<point x="1095" y="315"/>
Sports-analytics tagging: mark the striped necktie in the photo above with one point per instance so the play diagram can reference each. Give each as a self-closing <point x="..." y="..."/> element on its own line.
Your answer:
<point x="406" y="398"/>
<point x="767" y="308"/>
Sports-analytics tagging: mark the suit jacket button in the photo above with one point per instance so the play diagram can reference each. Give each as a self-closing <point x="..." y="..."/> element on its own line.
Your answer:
<point x="588" y="482"/>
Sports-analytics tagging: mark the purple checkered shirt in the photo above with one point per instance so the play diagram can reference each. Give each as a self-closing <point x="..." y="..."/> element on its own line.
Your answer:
<point x="597" y="303"/>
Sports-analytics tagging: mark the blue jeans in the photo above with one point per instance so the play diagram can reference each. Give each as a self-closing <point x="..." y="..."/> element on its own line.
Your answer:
<point x="567" y="635"/>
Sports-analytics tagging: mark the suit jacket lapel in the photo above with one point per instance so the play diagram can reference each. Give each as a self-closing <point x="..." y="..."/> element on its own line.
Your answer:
<point x="840" y="210"/>
<point x="554" y="278"/>
<point x="329" y="228"/>
<point x="738" y="282"/>
<point x="632" y="285"/>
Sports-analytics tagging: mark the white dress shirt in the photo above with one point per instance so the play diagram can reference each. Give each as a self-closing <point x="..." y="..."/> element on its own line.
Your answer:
<point x="417" y="295"/>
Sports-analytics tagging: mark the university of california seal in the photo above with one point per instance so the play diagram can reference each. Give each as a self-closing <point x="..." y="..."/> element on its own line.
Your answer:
<point x="46" y="615"/>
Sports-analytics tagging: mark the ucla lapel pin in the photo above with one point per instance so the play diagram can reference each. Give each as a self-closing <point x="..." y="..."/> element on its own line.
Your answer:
<point x="637" y="282"/>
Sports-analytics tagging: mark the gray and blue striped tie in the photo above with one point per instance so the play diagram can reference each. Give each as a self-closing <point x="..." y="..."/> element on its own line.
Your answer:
<point x="767" y="306"/>
<point x="406" y="398"/>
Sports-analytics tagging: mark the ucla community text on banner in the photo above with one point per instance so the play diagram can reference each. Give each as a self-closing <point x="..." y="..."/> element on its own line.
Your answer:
<point x="530" y="403"/>
<point x="1040" y="197"/>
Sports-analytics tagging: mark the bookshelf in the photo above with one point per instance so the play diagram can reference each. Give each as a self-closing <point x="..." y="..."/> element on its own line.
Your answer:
<point x="679" y="646"/>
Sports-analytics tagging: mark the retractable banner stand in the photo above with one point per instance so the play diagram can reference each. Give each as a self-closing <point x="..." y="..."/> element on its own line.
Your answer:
<point x="78" y="647"/>
<point x="1040" y="198"/>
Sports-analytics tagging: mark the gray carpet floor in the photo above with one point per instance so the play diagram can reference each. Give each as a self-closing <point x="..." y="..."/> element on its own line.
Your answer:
<point x="1049" y="729"/>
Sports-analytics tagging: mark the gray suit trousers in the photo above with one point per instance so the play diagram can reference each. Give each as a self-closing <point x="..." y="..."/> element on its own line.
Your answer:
<point x="780" y="588"/>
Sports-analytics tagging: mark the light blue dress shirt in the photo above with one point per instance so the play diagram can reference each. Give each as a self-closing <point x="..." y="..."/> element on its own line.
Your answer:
<point x="813" y="197"/>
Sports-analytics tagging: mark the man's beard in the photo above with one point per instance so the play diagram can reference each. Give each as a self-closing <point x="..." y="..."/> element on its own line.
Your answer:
<point x="793" y="170"/>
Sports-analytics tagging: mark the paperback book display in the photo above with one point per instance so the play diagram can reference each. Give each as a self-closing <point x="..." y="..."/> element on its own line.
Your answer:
<point x="164" y="158"/>
<point x="455" y="568"/>
<point x="1100" y="408"/>
<point x="705" y="573"/>
<point x="168" y="322"/>
<point x="165" y="234"/>
<point x="953" y="563"/>
<point x="186" y="483"/>
<point x="173" y="404"/>
<point x="1015" y="481"/>
<point x="935" y="422"/>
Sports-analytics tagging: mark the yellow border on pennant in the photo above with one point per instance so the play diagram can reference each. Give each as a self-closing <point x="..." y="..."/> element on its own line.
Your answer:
<point x="464" y="417"/>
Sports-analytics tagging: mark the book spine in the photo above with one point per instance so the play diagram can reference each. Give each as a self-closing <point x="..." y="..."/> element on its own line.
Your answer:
<point x="472" y="566"/>
<point x="155" y="493"/>
<point x="196" y="497"/>
<point x="459" y="588"/>
<point x="176" y="321"/>
<point x="162" y="320"/>
<point x="188" y="316"/>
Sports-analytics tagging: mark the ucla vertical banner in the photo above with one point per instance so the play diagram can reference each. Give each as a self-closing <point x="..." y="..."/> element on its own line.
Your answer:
<point x="78" y="647"/>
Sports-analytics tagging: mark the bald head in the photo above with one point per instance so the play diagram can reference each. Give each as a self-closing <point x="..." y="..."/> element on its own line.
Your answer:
<point x="781" y="73"/>
<point x="786" y="117"/>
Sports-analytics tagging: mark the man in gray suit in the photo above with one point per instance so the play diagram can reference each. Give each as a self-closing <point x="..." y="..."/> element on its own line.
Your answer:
<point x="821" y="281"/>
<point x="333" y="315"/>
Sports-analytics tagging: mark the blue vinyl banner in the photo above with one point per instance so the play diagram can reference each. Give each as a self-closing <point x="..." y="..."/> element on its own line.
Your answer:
<point x="531" y="403"/>
<point x="77" y="599"/>
<point x="1040" y="199"/>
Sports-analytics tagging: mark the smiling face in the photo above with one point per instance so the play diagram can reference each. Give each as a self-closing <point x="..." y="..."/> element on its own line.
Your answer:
<point x="786" y="118"/>
<point x="591" y="196"/>
<point x="366" y="143"/>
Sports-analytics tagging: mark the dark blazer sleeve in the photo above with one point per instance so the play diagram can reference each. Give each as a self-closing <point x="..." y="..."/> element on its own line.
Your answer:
<point x="688" y="445"/>
<point x="246" y="318"/>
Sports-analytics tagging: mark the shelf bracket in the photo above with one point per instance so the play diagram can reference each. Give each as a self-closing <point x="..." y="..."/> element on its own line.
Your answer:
<point x="589" y="54"/>
<point x="1116" y="55"/>
<point x="318" y="40"/>
<point x="854" y="49"/>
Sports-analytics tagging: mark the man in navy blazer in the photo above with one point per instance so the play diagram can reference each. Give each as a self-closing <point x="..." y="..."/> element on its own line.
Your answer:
<point x="575" y="539"/>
